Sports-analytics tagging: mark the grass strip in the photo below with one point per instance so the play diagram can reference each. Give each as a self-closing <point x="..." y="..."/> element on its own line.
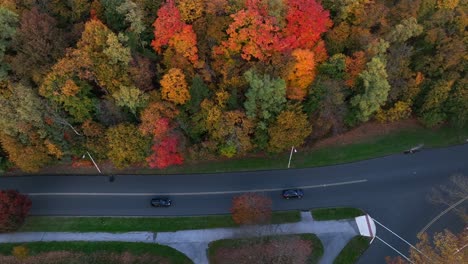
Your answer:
<point x="35" y="248"/>
<point x="337" y="213"/>
<point x="353" y="250"/>
<point x="394" y="142"/>
<point x="391" y="143"/>
<point x="317" y="247"/>
<point x="128" y="224"/>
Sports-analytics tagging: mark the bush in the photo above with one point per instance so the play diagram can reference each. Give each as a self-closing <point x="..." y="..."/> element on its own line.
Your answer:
<point x="14" y="208"/>
<point x="20" y="252"/>
<point x="401" y="110"/>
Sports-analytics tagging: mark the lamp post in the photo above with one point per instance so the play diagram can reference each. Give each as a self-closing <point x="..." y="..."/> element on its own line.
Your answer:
<point x="95" y="165"/>
<point x="290" y="155"/>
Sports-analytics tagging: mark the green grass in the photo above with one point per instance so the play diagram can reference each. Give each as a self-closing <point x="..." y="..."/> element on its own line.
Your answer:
<point x="175" y="256"/>
<point x="395" y="142"/>
<point x="338" y="213"/>
<point x="353" y="250"/>
<point x="317" y="247"/>
<point x="128" y="224"/>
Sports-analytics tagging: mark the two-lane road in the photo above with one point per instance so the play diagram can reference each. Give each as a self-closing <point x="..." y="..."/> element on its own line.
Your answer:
<point x="392" y="189"/>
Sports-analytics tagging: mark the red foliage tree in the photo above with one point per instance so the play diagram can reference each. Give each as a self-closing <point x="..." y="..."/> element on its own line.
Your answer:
<point x="14" y="208"/>
<point x="166" y="25"/>
<point x="171" y="30"/>
<point x="252" y="34"/>
<point x="161" y="128"/>
<point x="165" y="153"/>
<point x="306" y="21"/>
<point x="251" y="208"/>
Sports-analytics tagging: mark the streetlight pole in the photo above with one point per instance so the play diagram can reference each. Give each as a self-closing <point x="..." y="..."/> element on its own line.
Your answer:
<point x="95" y="165"/>
<point x="290" y="155"/>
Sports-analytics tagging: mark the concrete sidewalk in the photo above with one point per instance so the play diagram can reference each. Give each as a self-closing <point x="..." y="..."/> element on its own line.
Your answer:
<point x="194" y="243"/>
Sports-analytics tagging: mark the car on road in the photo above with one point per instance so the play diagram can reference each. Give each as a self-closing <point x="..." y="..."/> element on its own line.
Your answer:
<point x="161" y="202"/>
<point x="292" y="194"/>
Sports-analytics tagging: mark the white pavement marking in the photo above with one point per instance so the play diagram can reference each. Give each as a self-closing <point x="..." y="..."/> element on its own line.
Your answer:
<point x="441" y="214"/>
<point x="195" y="193"/>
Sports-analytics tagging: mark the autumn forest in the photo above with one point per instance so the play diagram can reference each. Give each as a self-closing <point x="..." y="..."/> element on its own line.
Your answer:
<point x="156" y="83"/>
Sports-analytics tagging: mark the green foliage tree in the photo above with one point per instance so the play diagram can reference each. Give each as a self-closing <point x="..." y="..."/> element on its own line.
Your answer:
<point x="457" y="104"/>
<point x="8" y="25"/>
<point x="375" y="90"/>
<point x="22" y="110"/>
<point x="433" y="112"/>
<point x="69" y="12"/>
<point x="266" y="97"/>
<point x="407" y="29"/>
<point x="130" y="97"/>
<point x="133" y="16"/>
<point x="126" y="145"/>
<point x="112" y="16"/>
<point x="198" y="92"/>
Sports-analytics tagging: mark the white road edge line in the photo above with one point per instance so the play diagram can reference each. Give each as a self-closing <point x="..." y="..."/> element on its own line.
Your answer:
<point x="195" y="193"/>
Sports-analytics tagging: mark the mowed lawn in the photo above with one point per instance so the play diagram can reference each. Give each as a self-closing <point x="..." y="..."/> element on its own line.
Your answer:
<point x="129" y="224"/>
<point x="34" y="248"/>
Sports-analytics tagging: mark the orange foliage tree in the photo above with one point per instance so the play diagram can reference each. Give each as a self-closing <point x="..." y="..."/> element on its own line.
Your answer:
<point x="185" y="43"/>
<point x="301" y="74"/>
<point x="170" y="29"/>
<point x="354" y="66"/>
<point x="153" y="113"/>
<point x="174" y="87"/>
<point x="251" y="208"/>
<point x="252" y="34"/>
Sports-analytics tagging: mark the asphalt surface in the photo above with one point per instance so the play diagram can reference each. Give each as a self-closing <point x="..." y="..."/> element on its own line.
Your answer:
<point x="392" y="189"/>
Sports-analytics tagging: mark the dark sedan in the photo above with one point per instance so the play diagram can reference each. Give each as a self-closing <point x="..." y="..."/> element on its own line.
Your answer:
<point x="161" y="202"/>
<point x="293" y="193"/>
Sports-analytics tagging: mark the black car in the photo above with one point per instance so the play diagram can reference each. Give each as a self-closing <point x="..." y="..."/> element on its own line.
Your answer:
<point x="161" y="202"/>
<point x="293" y="193"/>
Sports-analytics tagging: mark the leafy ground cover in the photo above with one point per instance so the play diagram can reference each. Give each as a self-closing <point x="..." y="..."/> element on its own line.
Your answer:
<point x="135" y="249"/>
<point x="338" y="213"/>
<point x="353" y="250"/>
<point x="128" y="224"/>
<point x="284" y="246"/>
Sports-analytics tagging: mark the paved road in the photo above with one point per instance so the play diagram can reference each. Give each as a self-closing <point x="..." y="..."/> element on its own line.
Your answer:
<point x="392" y="189"/>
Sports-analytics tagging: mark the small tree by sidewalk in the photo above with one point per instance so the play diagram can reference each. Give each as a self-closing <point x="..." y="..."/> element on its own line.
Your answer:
<point x="251" y="208"/>
<point x="14" y="207"/>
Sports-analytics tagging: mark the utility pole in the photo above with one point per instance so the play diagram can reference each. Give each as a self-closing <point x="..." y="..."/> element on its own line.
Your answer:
<point x="95" y="165"/>
<point x="290" y="155"/>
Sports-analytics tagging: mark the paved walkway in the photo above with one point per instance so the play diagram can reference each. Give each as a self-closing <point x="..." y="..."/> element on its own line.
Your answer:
<point x="194" y="243"/>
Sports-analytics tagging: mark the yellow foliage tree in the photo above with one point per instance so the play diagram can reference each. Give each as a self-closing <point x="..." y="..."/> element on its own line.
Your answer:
<point x="190" y="10"/>
<point x="301" y="74"/>
<point x="126" y="145"/>
<point x="174" y="87"/>
<point x="29" y="158"/>
<point x="53" y="149"/>
<point x="401" y="110"/>
<point x="447" y="4"/>
<point x="290" y="129"/>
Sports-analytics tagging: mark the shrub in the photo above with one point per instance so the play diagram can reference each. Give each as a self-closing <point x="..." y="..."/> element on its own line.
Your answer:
<point x="14" y="208"/>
